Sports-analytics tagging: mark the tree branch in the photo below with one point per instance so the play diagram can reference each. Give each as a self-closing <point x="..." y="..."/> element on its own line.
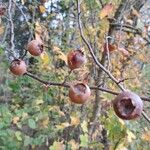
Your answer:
<point x="12" y="45"/>
<point x="91" y="50"/>
<point x="66" y="85"/>
<point x="46" y="82"/>
<point x="145" y="116"/>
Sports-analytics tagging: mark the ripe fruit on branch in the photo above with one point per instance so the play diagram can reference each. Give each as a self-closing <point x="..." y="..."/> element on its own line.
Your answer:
<point x="76" y="59"/>
<point x="18" y="67"/>
<point x="79" y="93"/>
<point x="35" y="47"/>
<point x="109" y="47"/>
<point x="128" y="105"/>
<point x="2" y="10"/>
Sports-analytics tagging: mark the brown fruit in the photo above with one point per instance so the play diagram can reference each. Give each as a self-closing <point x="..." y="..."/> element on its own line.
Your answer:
<point x="76" y="59"/>
<point x="18" y="67"/>
<point x="79" y="93"/>
<point x="2" y="10"/>
<point x="35" y="47"/>
<point x="128" y="105"/>
<point x="109" y="47"/>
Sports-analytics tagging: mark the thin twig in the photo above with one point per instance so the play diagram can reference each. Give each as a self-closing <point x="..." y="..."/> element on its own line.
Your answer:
<point x="94" y="88"/>
<point x="5" y="34"/>
<point x="46" y="82"/>
<point x="101" y="3"/>
<point x="66" y="85"/>
<point x="130" y="29"/>
<point x="92" y="53"/>
<point x="12" y="45"/>
<point x="23" y="14"/>
<point x="91" y="50"/>
<point x="122" y="80"/>
<point x="67" y="76"/>
<point x="28" y="24"/>
<point x="145" y="116"/>
<point x="125" y="25"/>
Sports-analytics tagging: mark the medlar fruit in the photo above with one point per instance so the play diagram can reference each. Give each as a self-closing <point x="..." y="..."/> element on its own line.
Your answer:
<point x="76" y="59"/>
<point x="109" y="47"/>
<point x="18" y="67"/>
<point x="35" y="47"/>
<point x="79" y="93"/>
<point x="2" y="10"/>
<point x="128" y="105"/>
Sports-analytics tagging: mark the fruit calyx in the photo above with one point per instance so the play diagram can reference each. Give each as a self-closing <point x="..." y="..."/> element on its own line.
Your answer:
<point x="18" y="67"/>
<point x="35" y="47"/>
<point x="76" y="59"/>
<point x="79" y="93"/>
<point x="128" y="105"/>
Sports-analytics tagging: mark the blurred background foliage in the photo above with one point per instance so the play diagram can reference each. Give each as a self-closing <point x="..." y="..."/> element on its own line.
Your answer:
<point x="33" y="116"/>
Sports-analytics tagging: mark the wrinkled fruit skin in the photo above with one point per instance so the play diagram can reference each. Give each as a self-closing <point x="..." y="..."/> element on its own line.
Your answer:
<point x="18" y="67"/>
<point x="76" y="59"/>
<point x="35" y="47"/>
<point x="79" y="93"/>
<point x="128" y="105"/>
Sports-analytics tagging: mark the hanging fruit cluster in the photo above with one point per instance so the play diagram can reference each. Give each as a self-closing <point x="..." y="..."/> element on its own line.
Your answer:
<point x="127" y="105"/>
<point x="78" y="93"/>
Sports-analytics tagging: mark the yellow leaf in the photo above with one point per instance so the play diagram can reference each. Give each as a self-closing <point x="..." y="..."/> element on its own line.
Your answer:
<point x="1" y="29"/>
<point x="38" y="102"/>
<point x="24" y="115"/>
<point x="63" y="125"/>
<point x="56" y="108"/>
<point x="74" y="145"/>
<point x="141" y="57"/>
<point x="104" y="27"/>
<point x="56" y="49"/>
<point x="38" y="31"/>
<point x="135" y="12"/>
<point x="84" y="126"/>
<point x="57" y="146"/>
<point x="15" y="120"/>
<point x="61" y="113"/>
<point x="75" y="121"/>
<point x="45" y="58"/>
<point x="42" y="9"/>
<point x="130" y="136"/>
<point x="121" y="147"/>
<point x="44" y="122"/>
<point x="22" y="2"/>
<point x="38" y="28"/>
<point x="62" y="56"/>
<point x="124" y="51"/>
<point x="146" y="136"/>
<point x="121" y="121"/>
<point x="106" y="10"/>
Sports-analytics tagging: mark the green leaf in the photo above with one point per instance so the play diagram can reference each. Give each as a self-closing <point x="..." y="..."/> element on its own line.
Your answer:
<point x="27" y="140"/>
<point x="18" y="135"/>
<point x="84" y="126"/>
<point x="31" y="123"/>
<point x="84" y="140"/>
<point x="57" y="146"/>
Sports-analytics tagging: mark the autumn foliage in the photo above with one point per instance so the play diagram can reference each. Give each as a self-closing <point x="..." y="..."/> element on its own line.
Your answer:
<point x="79" y="75"/>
